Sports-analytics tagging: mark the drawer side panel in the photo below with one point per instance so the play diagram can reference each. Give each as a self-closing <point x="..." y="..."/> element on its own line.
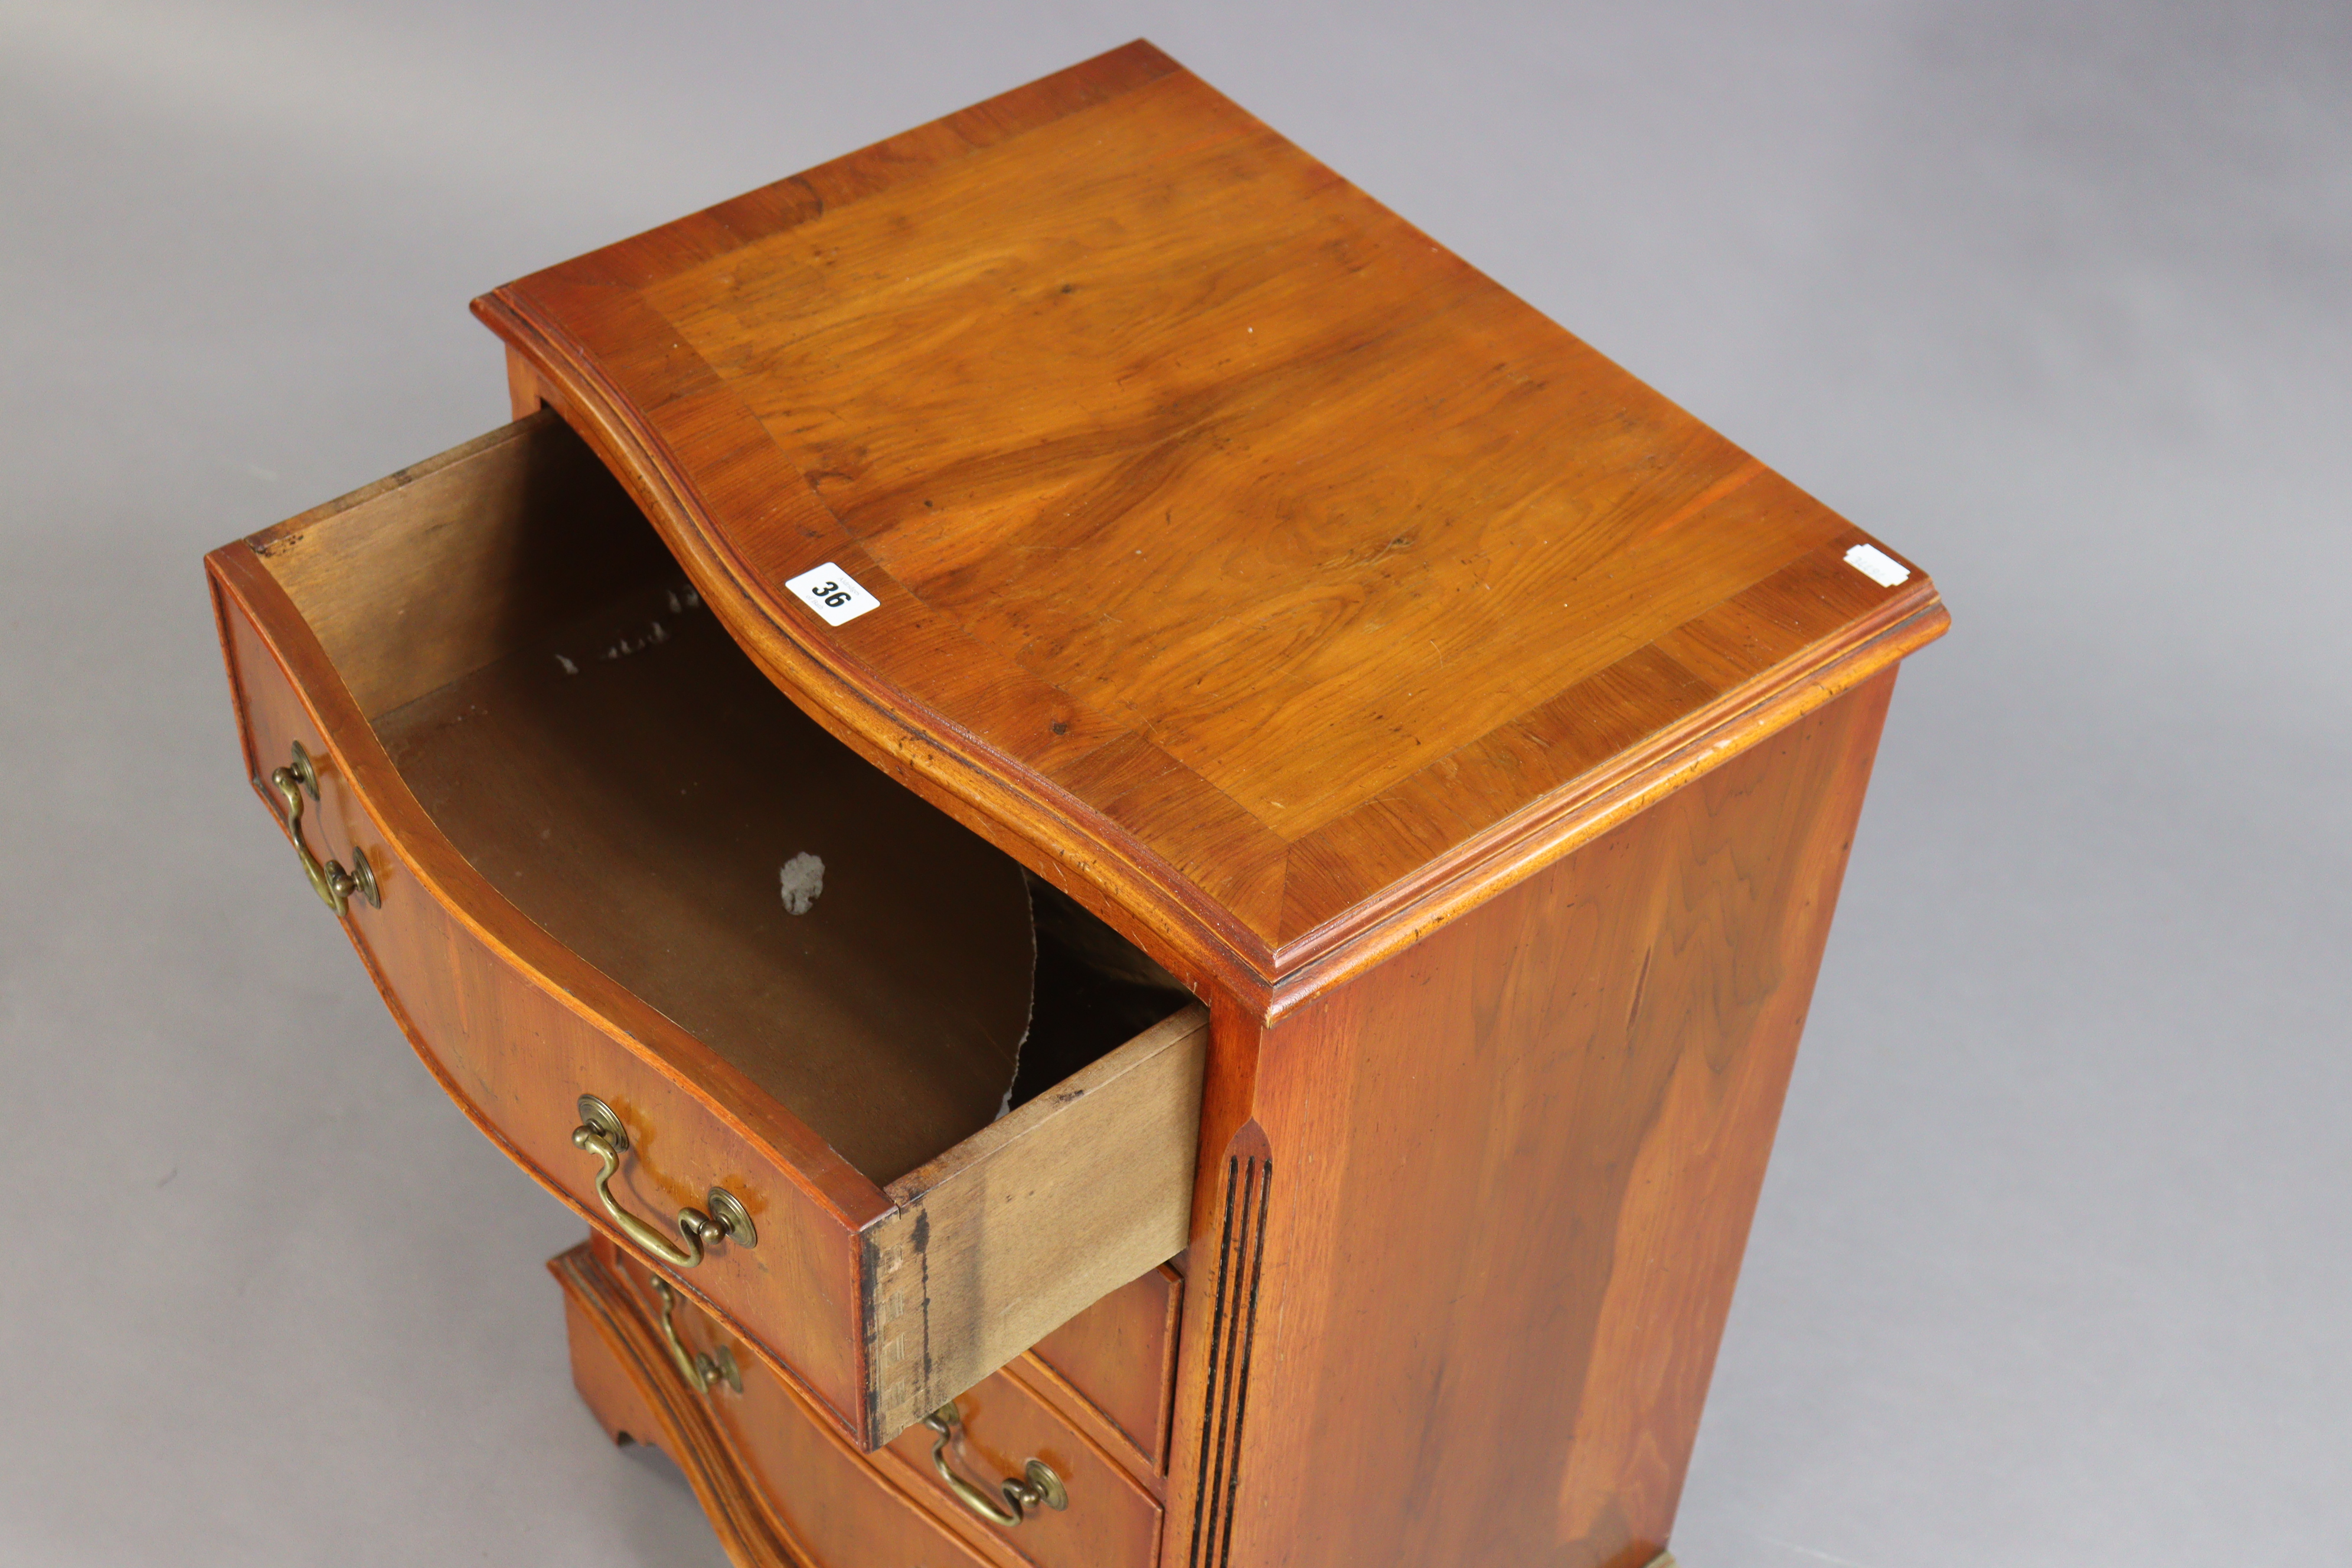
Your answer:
<point x="1018" y="1229"/>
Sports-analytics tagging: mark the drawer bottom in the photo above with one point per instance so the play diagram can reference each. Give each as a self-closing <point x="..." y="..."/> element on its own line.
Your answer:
<point x="843" y="1514"/>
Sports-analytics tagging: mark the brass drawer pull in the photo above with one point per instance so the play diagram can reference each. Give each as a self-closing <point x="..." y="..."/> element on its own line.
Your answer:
<point x="700" y="1371"/>
<point x="333" y="885"/>
<point x="1041" y="1488"/>
<point x="600" y="1132"/>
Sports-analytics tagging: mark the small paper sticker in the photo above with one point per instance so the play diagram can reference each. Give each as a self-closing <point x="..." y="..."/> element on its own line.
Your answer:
<point x="1879" y="566"/>
<point x="835" y="595"/>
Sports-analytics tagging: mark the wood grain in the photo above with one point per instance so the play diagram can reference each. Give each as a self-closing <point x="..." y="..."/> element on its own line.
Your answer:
<point x="779" y="1486"/>
<point x="468" y="557"/>
<point x="1012" y="1233"/>
<point x="1241" y="553"/>
<point x="1478" y="735"/>
<point x="1488" y="1201"/>
<point x="1213" y="1398"/>
<point x="517" y="1016"/>
<point x="1113" y="1522"/>
<point x="639" y="809"/>
<point x="1118" y="1358"/>
<point x="515" y="1028"/>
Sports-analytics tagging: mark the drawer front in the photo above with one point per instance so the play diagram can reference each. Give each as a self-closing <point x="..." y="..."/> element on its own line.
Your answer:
<point x="517" y="1056"/>
<point x="1110" y="1521"/>
<point x="881" y="1303"/>
<point x="780" y="1483"/>
<point x="1118" y="1359"/>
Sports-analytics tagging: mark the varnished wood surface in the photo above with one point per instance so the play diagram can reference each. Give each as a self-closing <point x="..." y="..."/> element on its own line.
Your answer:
<point x="515" y="1028"/>
<point x="794" y="1496"/>
<point x="1247" y="563"/>
<point x="1118" y="1357"/>
<point x="517" y="1024"/>
<point x="1459" y="1281"/>
<point x="639" y="809"/>
<point x="1475" y="732"/>
<point x="1112" y="1521"/>
<point x="596" y="747"/>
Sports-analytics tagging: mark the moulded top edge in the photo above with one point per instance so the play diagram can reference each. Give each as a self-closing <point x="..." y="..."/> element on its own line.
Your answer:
<point x="1134" y="480"/>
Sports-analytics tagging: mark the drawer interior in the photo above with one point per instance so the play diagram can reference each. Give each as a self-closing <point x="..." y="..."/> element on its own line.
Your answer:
<point x="552" y="691"/>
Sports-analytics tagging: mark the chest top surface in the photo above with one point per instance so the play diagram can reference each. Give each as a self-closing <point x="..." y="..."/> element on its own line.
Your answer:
<point x="1282" y="569"/>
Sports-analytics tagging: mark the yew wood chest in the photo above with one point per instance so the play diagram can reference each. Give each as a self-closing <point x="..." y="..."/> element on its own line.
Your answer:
<point x="1150" y="858"/>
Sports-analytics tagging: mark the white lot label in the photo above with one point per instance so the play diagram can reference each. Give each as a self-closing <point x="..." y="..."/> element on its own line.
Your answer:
<point x="832" y="594"/>
<point x="1879" y="566"/>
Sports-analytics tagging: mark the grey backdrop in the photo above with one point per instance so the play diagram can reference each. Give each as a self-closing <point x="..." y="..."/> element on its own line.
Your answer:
<point x="2051" y="1268"/>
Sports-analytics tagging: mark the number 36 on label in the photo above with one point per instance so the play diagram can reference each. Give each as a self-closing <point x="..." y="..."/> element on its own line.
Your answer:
<point x="832" y="594"/>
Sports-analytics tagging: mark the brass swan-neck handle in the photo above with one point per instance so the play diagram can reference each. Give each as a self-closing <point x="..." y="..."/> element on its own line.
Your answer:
<point x="601" y="1134"/>
<point x="333" y="885"/>
<point x="698" y="1370"/>
<point x="1038" y="1487"/>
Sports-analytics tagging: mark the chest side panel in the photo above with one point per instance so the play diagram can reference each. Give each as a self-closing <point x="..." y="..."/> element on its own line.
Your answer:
<point x="1481" y="1228"/>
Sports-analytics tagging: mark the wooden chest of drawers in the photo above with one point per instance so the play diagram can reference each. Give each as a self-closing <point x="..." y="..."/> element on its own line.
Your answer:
<point x="1123" y="831"/>
<point x="780" y="1484"/>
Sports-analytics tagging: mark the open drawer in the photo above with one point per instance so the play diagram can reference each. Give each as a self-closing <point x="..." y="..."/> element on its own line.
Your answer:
<point x="888" y="1107"/>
